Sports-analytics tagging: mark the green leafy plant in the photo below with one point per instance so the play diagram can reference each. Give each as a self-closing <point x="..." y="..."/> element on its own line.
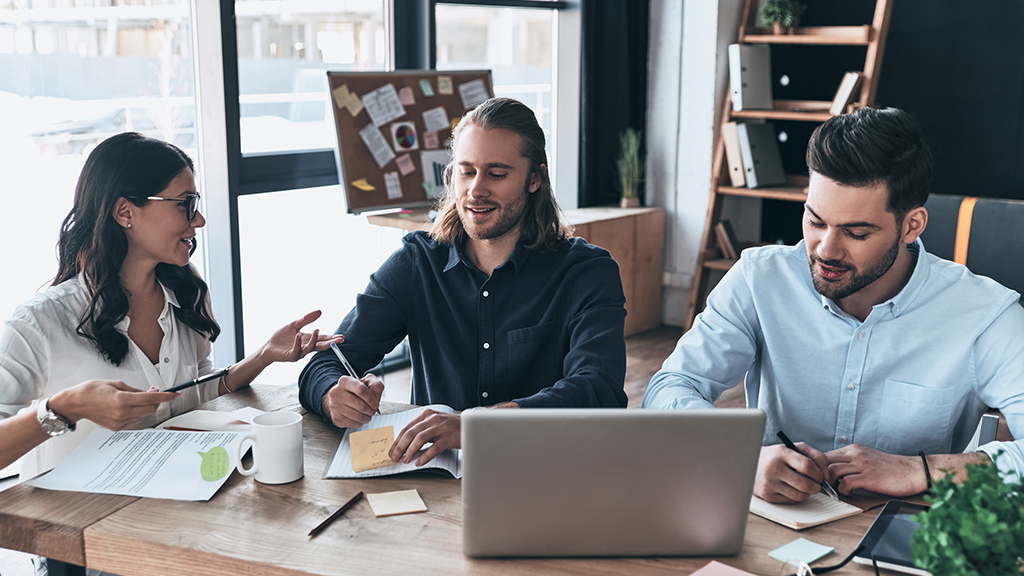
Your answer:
<point x="972" y="529"/>
<point x="630" y="163"/>
<point x="786" y="13"/>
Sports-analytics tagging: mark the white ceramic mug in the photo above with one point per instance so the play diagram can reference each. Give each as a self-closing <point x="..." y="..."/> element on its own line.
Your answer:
<point x="276" y="440"/>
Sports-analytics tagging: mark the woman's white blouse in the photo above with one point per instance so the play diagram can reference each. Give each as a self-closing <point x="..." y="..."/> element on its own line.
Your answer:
<point x="41" y="353"/>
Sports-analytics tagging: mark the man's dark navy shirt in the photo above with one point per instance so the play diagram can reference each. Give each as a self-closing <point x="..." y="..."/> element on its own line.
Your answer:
<point x="544" y="330"/>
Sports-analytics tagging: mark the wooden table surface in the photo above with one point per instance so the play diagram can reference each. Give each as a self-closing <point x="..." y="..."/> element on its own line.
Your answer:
<point x="253" y="528"/>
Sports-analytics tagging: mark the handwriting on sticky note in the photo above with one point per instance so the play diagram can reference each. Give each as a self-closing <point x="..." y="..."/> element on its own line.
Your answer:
<point x="370" y="448"/>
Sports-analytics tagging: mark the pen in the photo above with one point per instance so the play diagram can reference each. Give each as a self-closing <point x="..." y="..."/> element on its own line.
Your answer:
<point x="348" y="367"/>
<point x="319" y="527"/>
<point x="824" y="485"/>
<point x="200" y="380"/>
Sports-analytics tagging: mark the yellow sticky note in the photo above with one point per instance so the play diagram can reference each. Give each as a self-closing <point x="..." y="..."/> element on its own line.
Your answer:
<point x="370" y="448"/>
<point x="455" y="122"/>
<point x="340" y="94"/>
<point x="363" y="185"/>
<point x="354" y="104"/>
<point x="394" y="503"/>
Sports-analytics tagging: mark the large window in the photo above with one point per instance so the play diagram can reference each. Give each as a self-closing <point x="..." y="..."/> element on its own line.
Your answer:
<point x="284" y="49"/>
<point x="71" y="75"/>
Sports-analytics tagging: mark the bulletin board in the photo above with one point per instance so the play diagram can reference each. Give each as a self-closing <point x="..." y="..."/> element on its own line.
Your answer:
<point x="393" y="129"/>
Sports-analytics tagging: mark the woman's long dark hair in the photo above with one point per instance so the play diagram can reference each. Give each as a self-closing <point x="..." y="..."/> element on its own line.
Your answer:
<point x="93" y="244"/>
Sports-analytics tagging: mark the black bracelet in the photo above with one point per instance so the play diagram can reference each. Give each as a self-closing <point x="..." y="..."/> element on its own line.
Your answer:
<point x="927" y="473"/>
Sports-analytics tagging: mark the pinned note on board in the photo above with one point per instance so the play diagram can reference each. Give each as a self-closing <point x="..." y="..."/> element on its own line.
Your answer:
<point x="363" y="185"/>
<point x="405" y="164"/>
<point x="370" y="448"/>
<point x="425" y="86"/>
<point x="403" y="135"/>
<point x="406" y="96"/>
<point x="383" y="105"/>
<point x="444" y="85"/>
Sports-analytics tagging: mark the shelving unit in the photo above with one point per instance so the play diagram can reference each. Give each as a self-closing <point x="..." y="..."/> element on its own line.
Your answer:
<point x="795" y="190"/>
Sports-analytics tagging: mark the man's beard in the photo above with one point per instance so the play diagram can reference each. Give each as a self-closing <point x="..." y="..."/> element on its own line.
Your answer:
<point x="512" y="215"/>
<point x="840" y="290"/>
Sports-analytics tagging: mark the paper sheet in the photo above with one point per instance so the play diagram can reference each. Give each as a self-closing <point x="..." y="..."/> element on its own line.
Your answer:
<point x="435" y="119"/>
<point x="473" y="93"/>
<point x="147" y="463"/>
<point x="444" y="85"/>
<point x="341" y="464"/>
<point x="430" y="140"/>
<point x="393" y="185"/>
<point x="433" y="163"/>
<point x="394" y="503"/>
<point x="426" y="88"/>
<point x="378" y="146"/>
<point x="383" y="105"/>
<point x="403" y="136"/>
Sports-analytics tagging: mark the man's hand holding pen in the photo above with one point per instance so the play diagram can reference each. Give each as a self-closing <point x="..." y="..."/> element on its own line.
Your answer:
<point x="787" y="476"/>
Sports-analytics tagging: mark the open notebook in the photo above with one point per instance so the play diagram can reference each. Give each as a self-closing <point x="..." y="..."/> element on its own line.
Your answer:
<point x="818" y="509"/>
<point x="449" y="461"/>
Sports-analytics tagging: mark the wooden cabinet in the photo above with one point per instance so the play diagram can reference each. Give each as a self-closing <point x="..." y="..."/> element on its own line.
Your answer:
<point x="635" y="237"/>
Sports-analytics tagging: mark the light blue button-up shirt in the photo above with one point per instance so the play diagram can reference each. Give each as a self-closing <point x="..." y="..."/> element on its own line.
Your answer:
<point x="917" y="374"/>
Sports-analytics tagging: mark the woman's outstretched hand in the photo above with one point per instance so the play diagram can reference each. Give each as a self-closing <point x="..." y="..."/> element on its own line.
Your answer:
<point x="290" y="343"/>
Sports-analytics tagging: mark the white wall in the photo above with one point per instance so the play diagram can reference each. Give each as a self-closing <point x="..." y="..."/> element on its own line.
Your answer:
<point x="687" y="87"/>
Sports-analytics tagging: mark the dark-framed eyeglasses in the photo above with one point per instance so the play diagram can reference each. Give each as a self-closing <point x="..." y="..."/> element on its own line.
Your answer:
<point x="190" y="203"/>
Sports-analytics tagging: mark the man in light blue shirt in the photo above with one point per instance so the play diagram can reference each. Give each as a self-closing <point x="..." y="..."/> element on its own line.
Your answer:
<point x="878" y="358"/>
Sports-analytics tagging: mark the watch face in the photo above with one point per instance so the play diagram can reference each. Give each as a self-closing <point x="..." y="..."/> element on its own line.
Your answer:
<point x="54" y="426"/>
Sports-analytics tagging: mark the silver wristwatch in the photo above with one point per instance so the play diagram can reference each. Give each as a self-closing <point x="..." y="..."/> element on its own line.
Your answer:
<point x="51" y="422"/>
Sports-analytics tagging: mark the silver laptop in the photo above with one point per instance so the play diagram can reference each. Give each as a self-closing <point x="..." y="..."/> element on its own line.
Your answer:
<point x="607" y="482"/>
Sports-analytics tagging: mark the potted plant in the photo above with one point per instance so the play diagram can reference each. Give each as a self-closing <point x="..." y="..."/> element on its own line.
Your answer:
<point x="781" y="15"/>
<point x="631" y="167"/>
<point x="975" y="528"/>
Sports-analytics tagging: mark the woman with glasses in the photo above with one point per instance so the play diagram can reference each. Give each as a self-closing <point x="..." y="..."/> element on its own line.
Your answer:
<point x="126" y="317"/>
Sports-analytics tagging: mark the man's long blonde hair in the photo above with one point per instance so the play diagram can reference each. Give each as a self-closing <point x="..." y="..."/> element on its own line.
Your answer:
<point x="542" y="225"/>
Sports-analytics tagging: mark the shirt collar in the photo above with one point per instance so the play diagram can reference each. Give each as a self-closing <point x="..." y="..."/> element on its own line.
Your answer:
<point x="899" y="303"/>
<point x="518" y="258"/>
<point x="169" y="300"/>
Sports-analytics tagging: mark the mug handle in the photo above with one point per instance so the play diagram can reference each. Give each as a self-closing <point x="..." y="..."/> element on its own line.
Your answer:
<point x="238" y="455"/>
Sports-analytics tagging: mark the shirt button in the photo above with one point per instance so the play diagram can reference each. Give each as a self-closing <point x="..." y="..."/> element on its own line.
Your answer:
<point x="486" y="345"/>
<point x="484" y="394"/>
<point x="850" y="387"/>
<point x="897" y="310"/>
<point x="486" y="293"/>
<point x="166" y="360"/>
<point x="861" y="335"/>
<point x="842" y="439"/>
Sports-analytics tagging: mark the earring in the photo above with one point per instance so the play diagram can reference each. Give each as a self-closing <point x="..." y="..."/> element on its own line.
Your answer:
<point x="129" y="225"/>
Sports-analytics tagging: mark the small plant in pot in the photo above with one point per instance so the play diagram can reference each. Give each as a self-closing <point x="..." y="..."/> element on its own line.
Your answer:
<point x="631" y="167"/>
<point x="781" y="15"/>
<point x="975" y="528"/>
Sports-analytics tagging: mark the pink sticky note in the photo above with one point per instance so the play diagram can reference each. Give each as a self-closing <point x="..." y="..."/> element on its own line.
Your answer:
<point x="406" y="96"/>
<point x="430" y="140"/>
<point x="405" y="165"/>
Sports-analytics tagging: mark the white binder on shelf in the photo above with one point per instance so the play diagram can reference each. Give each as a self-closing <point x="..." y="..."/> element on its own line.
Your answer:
<point x="733" y="158"/>
<point x="750" y="76"/>
<point x="762" y="162"/>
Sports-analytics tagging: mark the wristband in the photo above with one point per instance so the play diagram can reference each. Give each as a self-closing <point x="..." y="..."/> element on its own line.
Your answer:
<point x="927" y="473"/>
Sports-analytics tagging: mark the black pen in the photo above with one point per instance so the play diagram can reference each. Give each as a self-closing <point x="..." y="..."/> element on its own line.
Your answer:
<point x="200" y="380"/>
<point x="336" y="514"/>
<point x="824" y="485"/>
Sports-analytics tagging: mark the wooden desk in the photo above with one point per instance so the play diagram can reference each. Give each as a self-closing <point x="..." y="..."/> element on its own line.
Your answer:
<point x="635" y="238"/>
<point x="252" y="528"/>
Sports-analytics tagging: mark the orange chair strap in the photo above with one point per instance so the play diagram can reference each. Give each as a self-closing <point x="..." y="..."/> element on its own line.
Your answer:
<point x="963" y="230"/>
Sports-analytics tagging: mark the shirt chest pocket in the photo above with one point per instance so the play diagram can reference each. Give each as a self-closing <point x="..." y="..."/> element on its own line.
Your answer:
<point x="532" y="352"/>
<point x="914" y="418"/>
